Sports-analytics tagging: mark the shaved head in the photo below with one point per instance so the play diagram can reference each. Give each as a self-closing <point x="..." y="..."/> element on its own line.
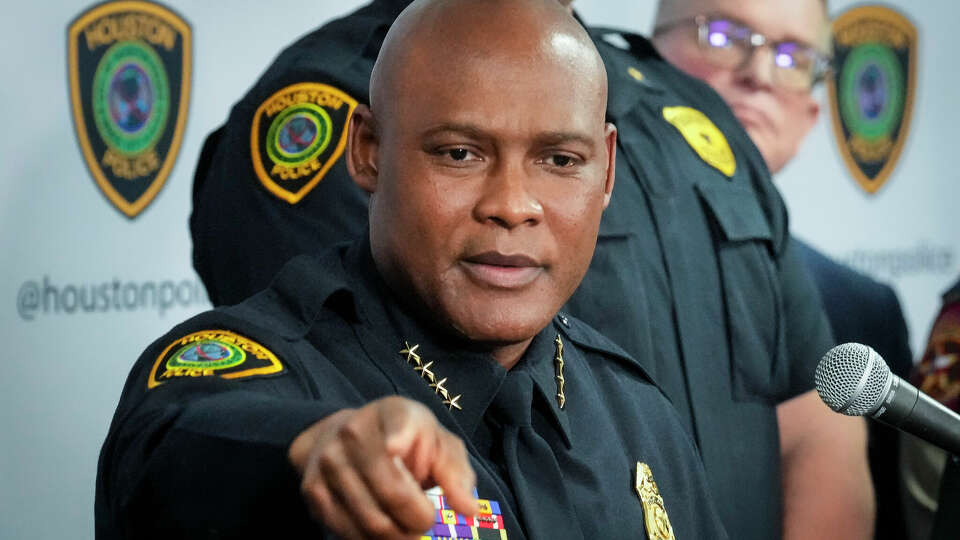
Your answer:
<point x="432" y="35"/>
<point x="488" y="161"/>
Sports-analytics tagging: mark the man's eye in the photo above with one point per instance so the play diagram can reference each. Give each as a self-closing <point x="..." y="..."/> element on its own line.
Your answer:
<point x="560" y="160"/>
<point x="458" y="154"/>
<point x="718" y="39"/>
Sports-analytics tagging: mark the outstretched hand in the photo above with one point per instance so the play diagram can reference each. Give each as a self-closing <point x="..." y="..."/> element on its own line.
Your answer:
<point x="364" y="470"/>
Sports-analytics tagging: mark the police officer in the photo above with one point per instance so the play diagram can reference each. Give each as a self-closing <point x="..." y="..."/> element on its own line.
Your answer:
<point x="427" y="353"/>
<point x="764" y="57"/>
<point x="692" y="274"/>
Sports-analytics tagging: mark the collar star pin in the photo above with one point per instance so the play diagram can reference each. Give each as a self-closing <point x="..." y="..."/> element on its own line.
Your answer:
<point x="655" y="516"/>
<point x="413" y="357"/>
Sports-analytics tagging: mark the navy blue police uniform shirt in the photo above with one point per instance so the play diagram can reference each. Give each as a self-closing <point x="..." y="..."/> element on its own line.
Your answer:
<point x="695" y="271"/>
<point x="695" y="274"/>
<point x="198" y="445"/>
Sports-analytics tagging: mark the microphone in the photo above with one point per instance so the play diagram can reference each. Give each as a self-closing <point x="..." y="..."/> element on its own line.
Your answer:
<point x="854" y="380"/>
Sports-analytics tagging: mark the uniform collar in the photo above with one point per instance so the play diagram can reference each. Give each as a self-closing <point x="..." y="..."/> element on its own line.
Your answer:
<point x="540" y="361"/>
<point x="406" y="341"/>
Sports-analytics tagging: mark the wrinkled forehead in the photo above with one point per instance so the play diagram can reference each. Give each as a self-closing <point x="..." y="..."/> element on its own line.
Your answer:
<point x="793" y="20"/>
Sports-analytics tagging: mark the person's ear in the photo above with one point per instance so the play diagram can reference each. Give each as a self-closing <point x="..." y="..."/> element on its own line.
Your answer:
<point x="363" y="145"/>
<point x="610" y="138"/>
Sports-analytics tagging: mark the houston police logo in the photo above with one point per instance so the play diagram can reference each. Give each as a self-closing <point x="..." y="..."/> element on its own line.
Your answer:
<point x="220" y="353"/>
<point x="297" y="135"/>
<point x="872" y="89"/>
<point x="129" y="64"/>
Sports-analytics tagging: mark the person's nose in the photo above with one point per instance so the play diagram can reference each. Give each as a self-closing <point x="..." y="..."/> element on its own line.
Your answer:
<point x="756" y="71"/>
<point x="507" y="199"/>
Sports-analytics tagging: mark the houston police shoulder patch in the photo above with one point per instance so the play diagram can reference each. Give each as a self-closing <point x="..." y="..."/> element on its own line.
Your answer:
<point x="297" y="135"/>
<point x="704" y="137"/>
<point x="129" y="64"/>
<point x="871" y="90"/>
<point x="210" y="353"/>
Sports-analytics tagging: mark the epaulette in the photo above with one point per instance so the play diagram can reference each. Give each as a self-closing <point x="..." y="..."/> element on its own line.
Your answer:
<point x="627" y="41"/>
<point x="629" y="58"/>
<point x="286" y="307"/>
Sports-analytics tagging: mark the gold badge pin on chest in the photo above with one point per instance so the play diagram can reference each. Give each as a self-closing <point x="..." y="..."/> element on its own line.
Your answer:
<point x="655" y="517"/>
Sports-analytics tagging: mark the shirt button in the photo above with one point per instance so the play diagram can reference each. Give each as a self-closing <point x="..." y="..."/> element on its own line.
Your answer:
<point x="563" y="320"/>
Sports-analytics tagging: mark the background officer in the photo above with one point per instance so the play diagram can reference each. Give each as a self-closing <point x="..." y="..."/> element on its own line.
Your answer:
<point x="710" y="39"/>
<point x="692" y="272"/>
<point x="483" y="217"/>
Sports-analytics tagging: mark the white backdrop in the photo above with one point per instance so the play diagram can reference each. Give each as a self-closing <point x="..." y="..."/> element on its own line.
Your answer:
<point x="63" y="368"/>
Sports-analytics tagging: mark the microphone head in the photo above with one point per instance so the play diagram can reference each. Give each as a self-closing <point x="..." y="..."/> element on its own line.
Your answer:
<point x="852" y="379"/>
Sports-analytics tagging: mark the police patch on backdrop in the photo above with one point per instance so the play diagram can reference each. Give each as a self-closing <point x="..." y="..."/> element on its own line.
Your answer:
<point x="129" y="65"/>
<point x="297" y="135"/>
<point x="871" y="90"/>
<point x="208" y="353"/>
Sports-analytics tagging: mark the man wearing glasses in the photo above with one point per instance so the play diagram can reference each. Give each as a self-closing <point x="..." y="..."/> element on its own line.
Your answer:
<point x="764" y="58"/>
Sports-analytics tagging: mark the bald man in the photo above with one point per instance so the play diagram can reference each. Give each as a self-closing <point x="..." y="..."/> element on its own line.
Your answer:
<point x="428" y="352"/>
<point x="690" y="274"/>
<point x="769" y="87"/>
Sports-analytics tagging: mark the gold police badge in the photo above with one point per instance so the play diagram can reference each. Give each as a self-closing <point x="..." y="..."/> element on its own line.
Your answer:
<point x="129" y="65"/>
<point x="297" y="135"/>
<point x="704" y="137"/>
<point x="655" y="516"/>
<point x="871" y="90"/>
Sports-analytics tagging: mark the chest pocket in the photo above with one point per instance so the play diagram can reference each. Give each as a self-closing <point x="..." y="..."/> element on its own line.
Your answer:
<point x="751" y="292"/>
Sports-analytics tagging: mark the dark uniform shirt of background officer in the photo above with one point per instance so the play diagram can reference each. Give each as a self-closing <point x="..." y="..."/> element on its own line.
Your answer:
<point x="717" y="41"/>
<point x="692" y="274"/>
<point x="483" y="219"/>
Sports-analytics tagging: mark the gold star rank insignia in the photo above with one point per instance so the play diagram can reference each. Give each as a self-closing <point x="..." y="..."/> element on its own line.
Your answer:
<point x="413" y="357"/>
<point x="424" y="371"/>
<point x="654" y="512"/>
<point x="453" y="403"/>
<point x="411" y="352"/>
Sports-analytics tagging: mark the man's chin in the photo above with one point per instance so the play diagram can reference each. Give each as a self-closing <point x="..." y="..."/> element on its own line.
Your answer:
<point x="760" y="137"/>
<point x="498" y="327"/>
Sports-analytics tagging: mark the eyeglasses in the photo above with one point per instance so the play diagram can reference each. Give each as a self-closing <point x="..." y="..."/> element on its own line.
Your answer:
<point x="730" y="44"/>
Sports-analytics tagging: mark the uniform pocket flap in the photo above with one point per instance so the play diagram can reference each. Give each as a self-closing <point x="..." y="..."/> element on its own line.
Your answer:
<point x="737" y="212"/>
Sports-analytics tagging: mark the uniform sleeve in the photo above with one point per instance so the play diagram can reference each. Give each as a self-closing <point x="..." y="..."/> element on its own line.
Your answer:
<point x="272" y="184"/>
<point x="205" y="456"/>
<point x="808" y="334"/>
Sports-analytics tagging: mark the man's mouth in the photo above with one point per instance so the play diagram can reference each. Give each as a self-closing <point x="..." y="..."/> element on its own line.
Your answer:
<point x="502" y="271"/>
<point x="751" y="117"/>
